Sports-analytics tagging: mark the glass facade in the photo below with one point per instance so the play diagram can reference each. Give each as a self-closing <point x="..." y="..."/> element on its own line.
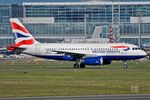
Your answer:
<point x="7" y="11"/>
<point x="21" y="1"/>
<point x="69" y="18"/>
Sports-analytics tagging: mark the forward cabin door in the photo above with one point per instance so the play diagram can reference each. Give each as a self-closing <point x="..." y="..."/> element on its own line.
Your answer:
<point x="88" y="50"/>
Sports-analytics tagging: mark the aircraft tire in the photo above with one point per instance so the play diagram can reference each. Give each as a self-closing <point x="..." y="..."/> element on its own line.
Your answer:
<point x="82" y="65"/>
<point x="76" y="65"/>
<point x="125" y="66"/>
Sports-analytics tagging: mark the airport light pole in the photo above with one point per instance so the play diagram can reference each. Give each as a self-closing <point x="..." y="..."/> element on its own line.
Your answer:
<point x="139" y="14"/>
<point x="85" y="26"/>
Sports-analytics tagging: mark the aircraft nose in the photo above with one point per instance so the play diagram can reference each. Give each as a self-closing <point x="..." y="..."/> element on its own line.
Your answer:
<point x="143" y="53"/>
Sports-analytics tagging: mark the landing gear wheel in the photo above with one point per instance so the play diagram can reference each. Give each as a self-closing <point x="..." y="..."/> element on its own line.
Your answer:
<point x="125" y="65"/>
<point x="76" y="65"/>
<point x="82" y="65"/>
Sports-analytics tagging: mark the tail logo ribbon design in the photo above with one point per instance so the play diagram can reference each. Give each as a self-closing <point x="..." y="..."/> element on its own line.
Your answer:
<point x="21" y="34"/>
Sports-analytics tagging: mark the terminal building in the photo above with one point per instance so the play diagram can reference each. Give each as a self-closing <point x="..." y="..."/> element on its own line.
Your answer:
<point x="58" y="20"/>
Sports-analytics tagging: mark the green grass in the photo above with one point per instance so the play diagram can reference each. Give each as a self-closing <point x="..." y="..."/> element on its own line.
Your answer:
<point x="29" y="78"/>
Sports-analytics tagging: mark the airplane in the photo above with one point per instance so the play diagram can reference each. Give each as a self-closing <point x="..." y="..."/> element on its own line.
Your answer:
<point x="81" y="53"/>
<point x="3" y="49"/>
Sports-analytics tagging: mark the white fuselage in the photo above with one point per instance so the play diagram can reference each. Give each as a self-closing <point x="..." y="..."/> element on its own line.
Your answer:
<point x="115" y="51"/>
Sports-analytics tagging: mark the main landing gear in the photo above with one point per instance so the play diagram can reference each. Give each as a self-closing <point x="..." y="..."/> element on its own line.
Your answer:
<point x="125" y="64"/>
<point x="76" y="65"/>
<point x="81" y="65"/>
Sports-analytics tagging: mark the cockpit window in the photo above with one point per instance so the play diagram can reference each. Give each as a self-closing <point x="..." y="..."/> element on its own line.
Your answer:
<point x="135" y="48"/>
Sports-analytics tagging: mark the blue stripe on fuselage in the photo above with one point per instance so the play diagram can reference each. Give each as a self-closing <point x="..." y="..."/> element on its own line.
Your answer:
<point x="53" y="57"/>
<point x="123" y="57"/>
<point x="104" y="57"/>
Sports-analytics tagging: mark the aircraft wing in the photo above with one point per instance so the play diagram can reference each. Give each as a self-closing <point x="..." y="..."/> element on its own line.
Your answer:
<point x="76" y="55"/>
<point x="3" y="50"/>
<point x="19" y="50"/>
<point x="16" y="50"/>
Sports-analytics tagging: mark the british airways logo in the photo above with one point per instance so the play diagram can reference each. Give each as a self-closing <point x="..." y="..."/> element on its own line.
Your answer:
<point x="125" y="48"/>
<point x="19" y="35"/>
<point x="19" y="31"/>
<point x="18" y="27"/>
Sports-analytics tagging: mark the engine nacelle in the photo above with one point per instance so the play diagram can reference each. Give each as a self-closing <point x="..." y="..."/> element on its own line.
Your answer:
<point x="96" y="61"/>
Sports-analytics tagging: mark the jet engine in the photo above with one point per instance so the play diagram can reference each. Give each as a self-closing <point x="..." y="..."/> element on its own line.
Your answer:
<point x="96" y="61"/>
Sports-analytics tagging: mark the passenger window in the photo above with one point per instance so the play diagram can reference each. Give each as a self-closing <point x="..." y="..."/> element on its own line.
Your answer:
<point x="132" y="48"/>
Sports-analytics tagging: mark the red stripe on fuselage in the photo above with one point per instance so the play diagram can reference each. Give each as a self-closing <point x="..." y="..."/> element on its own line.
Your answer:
<point x="119" y="46"/>
<point x="18" y="27"/>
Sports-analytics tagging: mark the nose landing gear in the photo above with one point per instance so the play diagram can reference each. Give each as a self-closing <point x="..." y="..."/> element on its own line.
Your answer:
<point x="81" y="65"/>
<point x="125" y="64"/>
<point x="76" y="65"/>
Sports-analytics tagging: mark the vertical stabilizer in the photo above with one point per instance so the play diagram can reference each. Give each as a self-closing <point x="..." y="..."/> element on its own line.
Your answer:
<point x="21" y="34"/>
